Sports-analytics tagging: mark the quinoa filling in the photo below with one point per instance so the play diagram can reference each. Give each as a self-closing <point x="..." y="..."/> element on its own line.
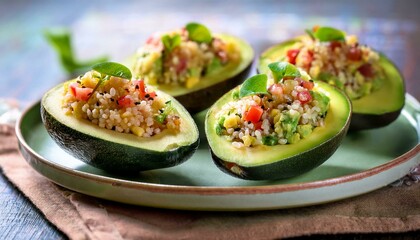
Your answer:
<point x="183" y="57"/>
<point x="342" y="62"/>
<point x="119" y="104"/>
<point x="289" y="111"/>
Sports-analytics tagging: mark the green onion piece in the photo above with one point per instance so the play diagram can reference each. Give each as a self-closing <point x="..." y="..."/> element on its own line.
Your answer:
<point x="270" y="140"/>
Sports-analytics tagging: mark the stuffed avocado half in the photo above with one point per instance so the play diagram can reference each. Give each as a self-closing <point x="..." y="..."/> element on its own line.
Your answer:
<point x="370" y="79"/>
<point x="277" y="125"/>
<point x="193" y="65"/>
<point x="117" y="124"/>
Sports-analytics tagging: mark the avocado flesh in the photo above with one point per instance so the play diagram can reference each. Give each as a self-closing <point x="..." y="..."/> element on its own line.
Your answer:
<point x="281" y="161"/>
<point x="113" y="151"/>
<point x="377" y="109"/>
<point x="216" y="83"/>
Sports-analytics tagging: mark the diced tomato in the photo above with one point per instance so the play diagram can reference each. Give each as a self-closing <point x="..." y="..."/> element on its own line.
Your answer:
<point x="141" y="87"/>
<point x="292" y="54"/>
<point x="304" y="97"/>
<point x="80" y="93"/>
<point x="181" y="66"/>
<point x="73" y="87"/>
<point x="276" y="89"/>
<point x="307" y="84"/>
<point x="367" y="70"/>
<point x="257" y="125"/>
<point x="254" y="114"/>
<point x="125" y="101"/>
<point x="354" y="54"/>
<point x="151" y="94"/>
<point x="335" y="44"/>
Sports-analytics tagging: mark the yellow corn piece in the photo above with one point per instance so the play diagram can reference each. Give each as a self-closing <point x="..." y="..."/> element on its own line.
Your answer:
<point x="248" y="140"/>
<point x="89" y="81"/>
<point x="191" y="81"/>
<point x="137" y="130"/>
<point x="149" y="61"/>
<point x="231" y="121"/>
<point x="274" y="112"/>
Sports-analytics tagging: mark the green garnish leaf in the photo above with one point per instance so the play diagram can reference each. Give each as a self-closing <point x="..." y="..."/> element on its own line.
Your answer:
<point x="198" y="33"/>
<point x="113" y="69"/>
<point x="254" y="85"/>
<point x="171" y="42"/>
<point x="60" y="40"/>
<point x="327" y="34"/>
<point x="283" y="69"/>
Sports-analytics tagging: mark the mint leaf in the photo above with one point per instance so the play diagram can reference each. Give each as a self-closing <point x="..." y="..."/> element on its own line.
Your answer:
<point x="327" y="34"/>
<point x="198" y="33"/>
<point x="254" y="85"/>
<point x="171" y="42"/>
<point x="113" y="69"/>
<point x="60" y="39"/>
<point x="283" y="69"/>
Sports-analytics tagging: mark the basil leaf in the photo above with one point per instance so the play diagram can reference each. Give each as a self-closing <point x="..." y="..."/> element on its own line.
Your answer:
<point x="254" y="85"/>
<point x="283" y="69"/>
<point x="327" y="34"/>
<point x="171" y="42"/>
<point x="60" y="40"/>
<point x="113" y="69"/>
<point x="198" y="33"/>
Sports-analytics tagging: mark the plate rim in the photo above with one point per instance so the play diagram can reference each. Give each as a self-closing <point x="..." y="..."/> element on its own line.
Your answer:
<point x="217" y="190"/>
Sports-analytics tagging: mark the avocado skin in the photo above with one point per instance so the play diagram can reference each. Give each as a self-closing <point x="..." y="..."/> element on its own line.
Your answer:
<point x="370" y="121"/>
<point x="199" y="100"/>
<point x="288" y="167"/>
<point x="110" y="156"/>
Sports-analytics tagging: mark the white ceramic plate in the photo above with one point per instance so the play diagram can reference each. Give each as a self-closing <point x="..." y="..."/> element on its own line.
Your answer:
<point x="366" y="161"/>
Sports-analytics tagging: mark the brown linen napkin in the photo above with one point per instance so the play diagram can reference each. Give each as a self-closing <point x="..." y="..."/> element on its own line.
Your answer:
<point x="390" y="209"/>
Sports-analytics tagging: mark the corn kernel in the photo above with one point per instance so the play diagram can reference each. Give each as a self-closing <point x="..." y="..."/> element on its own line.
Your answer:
<point x="191" y="81"/>
<point x="248" y="140"/>
<point x="137" y="130"/>
<point x="231" y="121"/>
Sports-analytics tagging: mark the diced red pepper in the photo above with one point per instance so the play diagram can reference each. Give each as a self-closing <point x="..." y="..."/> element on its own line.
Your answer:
<point x="151" y="94"/>
<point x="254" y="114"/>
<point x="367" y="70"/>
<point x="292" y="54"/>
<point x="257" y="125"/>
<point x="304" y="97"/>
<point x="125" y="101"/>
<point x="354" y="54"/>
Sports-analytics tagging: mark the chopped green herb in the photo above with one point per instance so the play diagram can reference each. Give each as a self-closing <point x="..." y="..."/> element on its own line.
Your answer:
<point x="171" y="42"/>
<point x="168" y="109"/>
<point x="254" y="85"/>
<point x="270" y="140"/>
<point x="198" y="33"/>
<point x="283" y="69"/>
<point x="219" y="126"/>
<point x="214" y="65"/>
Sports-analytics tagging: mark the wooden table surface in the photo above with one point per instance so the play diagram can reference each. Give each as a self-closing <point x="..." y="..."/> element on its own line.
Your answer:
<point x="116" y="28"/>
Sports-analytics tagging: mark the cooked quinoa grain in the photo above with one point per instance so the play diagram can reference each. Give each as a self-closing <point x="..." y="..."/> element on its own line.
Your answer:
<point x="185" y="64"/>
<point x="120" y="104"/>
<point x="289" y="112"/>
<point x="346" y="64"/>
